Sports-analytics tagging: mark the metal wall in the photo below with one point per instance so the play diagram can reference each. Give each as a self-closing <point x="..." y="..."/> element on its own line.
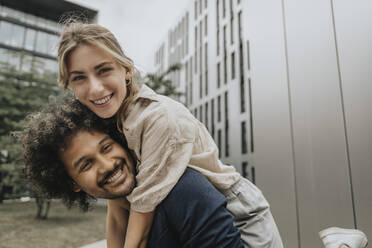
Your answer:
<point x="311" y="93"/>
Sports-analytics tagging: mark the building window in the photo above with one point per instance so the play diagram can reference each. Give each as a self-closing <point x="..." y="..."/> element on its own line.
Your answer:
<point x="218" y="13"/>
<point x="242" y="95"/>
<point x="201" y="32"/>
<point x="30" y="38"/>
<point x="12" y="34"/>
<point x="186" y="71"/>
<point x="206" y="25"/>
<point x="200" y="6"/>
<point x="250" y="115"/>
<point x="200" y="86"/>
<point x="225" y="69"/>
<point x="219" y="140"/>
<point x="218" y="108"/>
<point x="245" y="172"/>
<point x="233" y="65"/>
<point x="225" y="56"/>
<point x="206" y="68"/>
<point x="206" y="116"/>
<point x="206" y="82"/>
<point x="231" y="8"/>
<point x="224" y="38"/>
<point x="196" y="48"/>
<point x="212" y="117"/>
<point x="244" y="137"/>
<point x="196" y="112"/>
<point x="201" y="113"/>
<point x="218" y="41"/>
<point x="218" y="75"/>
<point x="253" y="175"/>
<point x="191" y="81"/>
<point x="240" y="24"/>
<point x="227" y="147"/>
<point x="205" y="4"/>
<point x="223" y="8"/>
<point x="196" y="9"/>
<point x="232" y="28"/>
<point x="248" y="56"/>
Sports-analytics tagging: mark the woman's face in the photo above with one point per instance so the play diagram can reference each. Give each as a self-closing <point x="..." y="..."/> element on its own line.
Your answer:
<point x="97" y="80"/>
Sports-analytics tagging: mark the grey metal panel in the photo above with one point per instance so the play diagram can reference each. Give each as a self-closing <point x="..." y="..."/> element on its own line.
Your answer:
<point x="353" y="22"/>
<point x="321" y="161"/>
<point x="272" y="156"/>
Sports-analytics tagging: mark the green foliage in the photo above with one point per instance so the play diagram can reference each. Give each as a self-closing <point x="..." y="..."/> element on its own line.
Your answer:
<point x="20" y="94"/>
<point x="161" y="84"/>
<point x="12" y="182"/>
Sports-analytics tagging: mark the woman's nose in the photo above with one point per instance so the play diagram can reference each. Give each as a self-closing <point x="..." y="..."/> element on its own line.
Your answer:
<point x="95" y="87"/>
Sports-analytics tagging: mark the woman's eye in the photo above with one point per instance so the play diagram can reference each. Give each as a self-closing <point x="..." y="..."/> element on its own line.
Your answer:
<point x="77" y="78"/>
<point x="105" y="69"/>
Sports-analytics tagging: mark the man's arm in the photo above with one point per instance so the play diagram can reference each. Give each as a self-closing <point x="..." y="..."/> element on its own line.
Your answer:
<point x="196" y="216"/>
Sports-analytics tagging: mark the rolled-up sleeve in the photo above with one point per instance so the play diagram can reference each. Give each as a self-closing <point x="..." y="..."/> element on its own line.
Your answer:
<point x="165" y="151"/>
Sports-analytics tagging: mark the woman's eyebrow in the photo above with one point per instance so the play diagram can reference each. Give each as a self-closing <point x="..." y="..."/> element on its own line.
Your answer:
<point x="102" y="64"/>
<point x="75" y="72"/>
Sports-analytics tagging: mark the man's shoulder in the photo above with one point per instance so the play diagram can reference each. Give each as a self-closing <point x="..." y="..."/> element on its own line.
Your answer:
<point x="194" y="187"/>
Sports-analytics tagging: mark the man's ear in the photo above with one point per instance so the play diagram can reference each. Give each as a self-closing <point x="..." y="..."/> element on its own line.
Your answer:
<point x="75" y="187"/>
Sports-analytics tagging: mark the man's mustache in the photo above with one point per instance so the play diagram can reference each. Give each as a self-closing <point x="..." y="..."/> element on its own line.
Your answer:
<point x="118" y="166"/>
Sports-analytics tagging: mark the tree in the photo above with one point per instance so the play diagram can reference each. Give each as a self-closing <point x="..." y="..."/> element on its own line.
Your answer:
<point x="20" y="94"/>
<point x="162" y="84"/>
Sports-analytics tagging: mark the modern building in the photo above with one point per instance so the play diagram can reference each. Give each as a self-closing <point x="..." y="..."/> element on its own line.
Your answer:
<point x="210" y="41"/>
<point x="285" y="87"/>
<point x="29" y="32"/>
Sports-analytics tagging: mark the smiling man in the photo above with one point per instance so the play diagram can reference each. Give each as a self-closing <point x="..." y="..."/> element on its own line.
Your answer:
<point x="72" y="154"/>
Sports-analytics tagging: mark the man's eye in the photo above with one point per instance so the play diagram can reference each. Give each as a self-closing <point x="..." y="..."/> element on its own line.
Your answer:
<point x="86" y="165"/>
<point x="106" y="148"/>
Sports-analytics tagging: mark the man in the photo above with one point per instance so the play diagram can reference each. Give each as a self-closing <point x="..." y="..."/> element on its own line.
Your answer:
<point x="70" y="155"/>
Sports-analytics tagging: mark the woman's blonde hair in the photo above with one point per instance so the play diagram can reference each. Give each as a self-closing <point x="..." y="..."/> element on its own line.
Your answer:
<point x="77" y="33"/>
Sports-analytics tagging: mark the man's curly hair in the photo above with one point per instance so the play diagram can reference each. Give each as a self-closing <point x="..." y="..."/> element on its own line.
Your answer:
<point x="46" y="133"/>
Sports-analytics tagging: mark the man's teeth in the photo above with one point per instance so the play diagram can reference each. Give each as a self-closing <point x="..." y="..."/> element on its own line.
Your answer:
<point x="103" y="100"/>
<point x="115" y="176"/>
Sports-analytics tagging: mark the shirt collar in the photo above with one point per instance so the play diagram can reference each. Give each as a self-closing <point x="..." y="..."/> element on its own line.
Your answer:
<point x="146" y="92"/>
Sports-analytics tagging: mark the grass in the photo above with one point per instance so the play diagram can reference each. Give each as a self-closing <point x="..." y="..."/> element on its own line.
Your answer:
<point x="63" y="228"/>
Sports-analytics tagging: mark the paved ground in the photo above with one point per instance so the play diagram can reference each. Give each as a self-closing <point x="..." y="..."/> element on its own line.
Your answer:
<point x="99" y="244"/>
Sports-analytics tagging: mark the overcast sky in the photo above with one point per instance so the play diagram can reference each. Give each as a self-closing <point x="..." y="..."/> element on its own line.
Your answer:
<point x="139" y="25"/>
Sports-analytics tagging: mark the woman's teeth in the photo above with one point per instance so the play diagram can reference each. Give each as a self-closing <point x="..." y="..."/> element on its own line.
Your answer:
<point x="103" y="100"/>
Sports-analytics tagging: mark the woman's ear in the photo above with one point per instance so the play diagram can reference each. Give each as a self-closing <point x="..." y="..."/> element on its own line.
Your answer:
<point x="128" y="73"/>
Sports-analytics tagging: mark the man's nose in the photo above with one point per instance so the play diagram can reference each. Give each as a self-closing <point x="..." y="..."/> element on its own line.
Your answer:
<point x="105" y="164"/>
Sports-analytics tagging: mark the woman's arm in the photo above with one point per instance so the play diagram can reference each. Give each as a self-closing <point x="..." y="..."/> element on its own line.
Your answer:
<point x="139" y="226"/>
<point x="116" y="222"/>
<point x="164" y="156"/>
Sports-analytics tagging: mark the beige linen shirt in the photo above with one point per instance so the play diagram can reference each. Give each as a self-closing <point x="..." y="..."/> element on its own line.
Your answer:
<point x="167" y="138"/>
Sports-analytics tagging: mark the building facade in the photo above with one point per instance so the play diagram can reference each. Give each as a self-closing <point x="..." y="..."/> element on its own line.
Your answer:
<point x="296" y="77"/>
<point x="29" y="32"/>
<point x="210" y="41"/>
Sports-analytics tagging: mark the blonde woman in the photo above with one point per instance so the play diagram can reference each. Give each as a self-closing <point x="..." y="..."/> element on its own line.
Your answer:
<point x="163" y="134"/>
